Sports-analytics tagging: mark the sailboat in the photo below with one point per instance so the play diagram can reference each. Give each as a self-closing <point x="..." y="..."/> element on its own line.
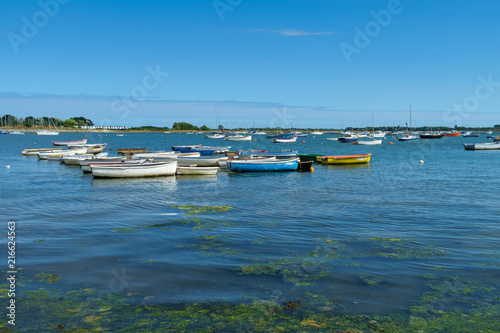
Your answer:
<point x="371" y="142"/>
<point x="47" y="132"/>
<point x="217" y="135"/>
<point x="317" y="132"/>
<point x="409" y="136"/>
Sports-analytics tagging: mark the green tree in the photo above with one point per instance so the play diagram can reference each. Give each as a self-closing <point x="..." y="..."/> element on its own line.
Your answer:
<point x="29" y="121"/>
<point x="183" y="126"/>
<point x="82" y="121"/>
<point x="204" y="128"/>
<point x="70" y="123"/>
<point x="56" y="122"/>
<point x="9" y="120"/>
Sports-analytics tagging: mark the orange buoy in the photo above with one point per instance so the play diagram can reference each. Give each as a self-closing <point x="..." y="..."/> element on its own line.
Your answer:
<point x="254" y="139"/>
<point x="391" y="143"/>
<point x="303" y="141"/>
<point x="426" y="140"/>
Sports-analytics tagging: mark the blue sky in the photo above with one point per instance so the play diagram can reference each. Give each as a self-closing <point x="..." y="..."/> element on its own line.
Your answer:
<point x="308" y="63"/>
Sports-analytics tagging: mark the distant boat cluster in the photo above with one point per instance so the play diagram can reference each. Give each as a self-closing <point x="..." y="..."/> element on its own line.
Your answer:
<point x="208" y="160"/>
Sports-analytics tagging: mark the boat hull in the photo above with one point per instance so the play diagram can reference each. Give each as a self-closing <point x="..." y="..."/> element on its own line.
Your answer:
<point x="59" y="153"/>
<point x="431" y="136"/>
<point x="135" y="170"/>
<point x="239" y="138"/>
<point x="369" y="142"/>
<point x="215" y="136"/>
<point x="308" y="157"/>
<point x="35" y="151"/>
<point x="259" y="166"/>
<point x="86" y="165"/>
<point x="347" y="140"/>
<point x="91" y="148"/>
<point x="189" y="170"/>
<point x="346" y="159"/>
<point x="408" y="138"/>
<point x="66" y="143"/>
<point x="199" y="161"/>
<point x="482" y="146"/>
<point x="130" y="151"/>
<point x="47" y="133"/>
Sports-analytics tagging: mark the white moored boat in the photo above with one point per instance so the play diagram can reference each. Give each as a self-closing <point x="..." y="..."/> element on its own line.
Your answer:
<point x="482" y="146"/>
<point x="58" y="153"/>
<point x="46" y="132"/>
<point x="91" y="148"/>
<point x="216" y="136"/>
<point x="369" y="142"/>
<point x="154" y="154"/>
<point x="75" y="159"/>
<point x="67" y="143"/>
<point x="202" y="161"/>
<point x="35" y="151"/>
<point x="86" y="165"/>
<point x="195" y="170"/>
<point x="239" y="138"/>
<point x="223" y="163"/>
<point x="285" y="138"/>
<point x="135" y="170"/>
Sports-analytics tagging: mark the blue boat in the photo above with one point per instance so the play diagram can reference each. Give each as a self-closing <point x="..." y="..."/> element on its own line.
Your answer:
<point x="255" y="165"/>
<point x="203" y="152"/>
<point x="283" y="138"/>
<point x="408" y="138"/>
<point x="347" y="139"/>
<point x="280" y="154"/>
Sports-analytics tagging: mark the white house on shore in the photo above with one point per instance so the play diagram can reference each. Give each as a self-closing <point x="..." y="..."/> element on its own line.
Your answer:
<point x="103" y="127"/>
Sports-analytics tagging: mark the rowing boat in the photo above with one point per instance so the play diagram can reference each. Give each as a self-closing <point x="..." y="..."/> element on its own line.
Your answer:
<point x="345" y="159"/>
<point x="135" y="170"/>
<point x="196" y="170"/>
<point x="482" y="146"/>
<point x="35" y="151"/>
<point x="66" y="143"/>
<point x="256" y="165"/>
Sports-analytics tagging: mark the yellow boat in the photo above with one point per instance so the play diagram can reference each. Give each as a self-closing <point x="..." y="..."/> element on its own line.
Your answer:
<point x="345" y="159"/>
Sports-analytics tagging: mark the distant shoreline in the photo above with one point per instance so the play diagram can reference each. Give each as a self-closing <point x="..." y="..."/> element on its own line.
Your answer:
<point x="65" y="130"/>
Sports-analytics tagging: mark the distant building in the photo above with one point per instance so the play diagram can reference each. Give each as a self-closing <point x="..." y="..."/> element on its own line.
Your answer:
<point x="103" y="127"/>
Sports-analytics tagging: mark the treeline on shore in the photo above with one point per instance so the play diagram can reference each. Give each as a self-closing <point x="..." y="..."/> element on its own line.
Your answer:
<point x="30" y="121"/>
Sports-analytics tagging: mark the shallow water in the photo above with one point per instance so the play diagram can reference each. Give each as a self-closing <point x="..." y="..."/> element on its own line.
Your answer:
<point x="366" y="236"/>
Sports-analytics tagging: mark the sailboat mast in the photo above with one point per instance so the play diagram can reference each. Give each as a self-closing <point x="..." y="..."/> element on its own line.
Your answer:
<point x="373" y="126"/>
<point x="411" y="128"/>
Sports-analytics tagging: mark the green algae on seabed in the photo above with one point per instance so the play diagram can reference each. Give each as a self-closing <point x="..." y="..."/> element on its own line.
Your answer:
<point x="211" y="245"/>
<point x="291" y="269"/>
<point x="86" y="310"/>
<point x="371" y="280"/>
<point x="122" y="229"/>
<point x="195" y="210"/>
<point x="48" y="278"/>
<point x="198" y="224"/>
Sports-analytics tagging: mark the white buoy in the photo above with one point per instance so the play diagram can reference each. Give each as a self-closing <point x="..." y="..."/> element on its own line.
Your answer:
<point x="7" y="167"/>
<point x="421" y="162"/>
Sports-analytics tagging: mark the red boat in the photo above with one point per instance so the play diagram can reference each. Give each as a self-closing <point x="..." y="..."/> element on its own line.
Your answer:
<point x="452" y="133"/>
<point x="65" y="143"/>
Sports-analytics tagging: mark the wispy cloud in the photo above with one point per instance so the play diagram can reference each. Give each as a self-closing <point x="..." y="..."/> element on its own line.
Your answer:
<point x="293" y="32"/>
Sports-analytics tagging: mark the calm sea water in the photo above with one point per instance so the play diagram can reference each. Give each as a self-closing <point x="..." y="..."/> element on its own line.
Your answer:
<point x="364" y="235"/>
